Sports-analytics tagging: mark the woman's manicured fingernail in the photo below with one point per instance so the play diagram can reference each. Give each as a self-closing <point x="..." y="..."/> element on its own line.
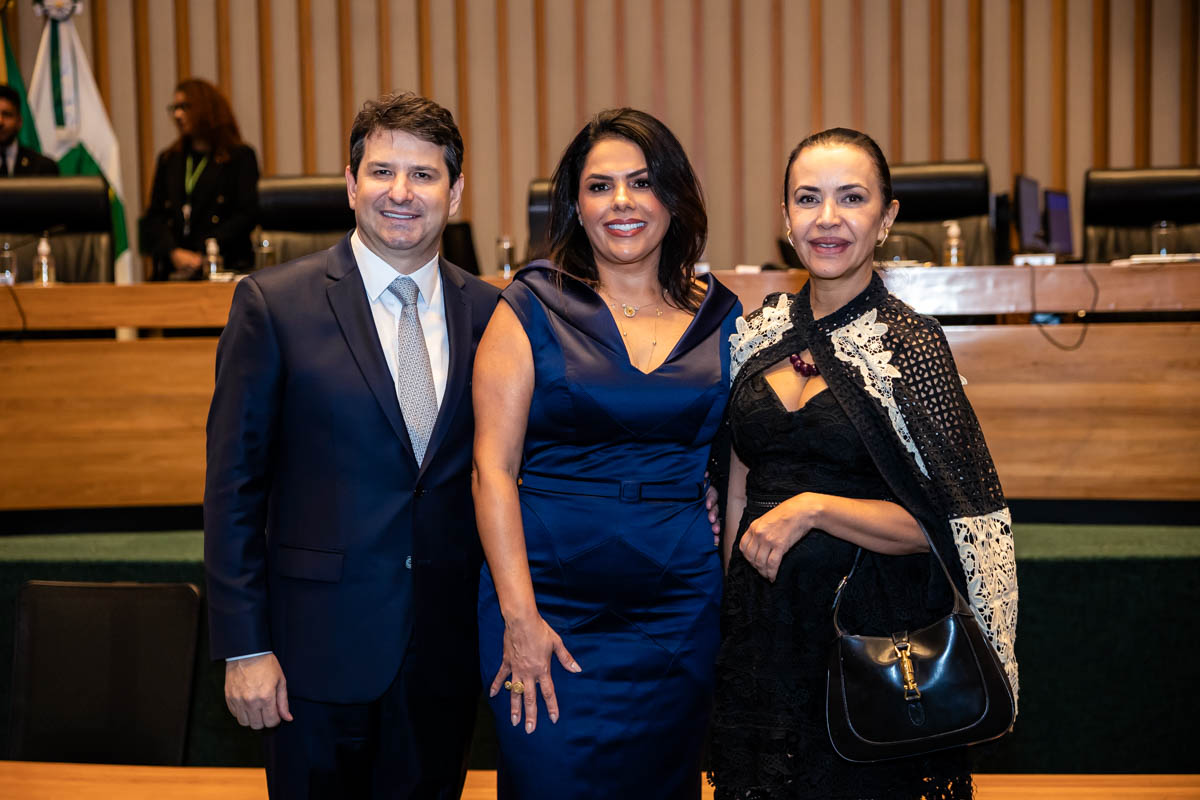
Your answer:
<point x="554" y="718"/>
<point x="529" y="727"/>
<point x="516" y="718"/>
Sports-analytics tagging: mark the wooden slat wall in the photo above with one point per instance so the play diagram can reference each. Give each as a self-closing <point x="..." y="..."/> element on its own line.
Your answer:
<point x="915" y="74"/>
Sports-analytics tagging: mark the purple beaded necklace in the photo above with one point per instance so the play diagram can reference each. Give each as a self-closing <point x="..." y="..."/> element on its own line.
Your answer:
<point x="802" y="366"/>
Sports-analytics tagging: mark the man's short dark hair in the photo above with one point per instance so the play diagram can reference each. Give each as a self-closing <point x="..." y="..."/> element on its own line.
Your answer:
<point x="411" y="114"/>
<point x="10" y="94"/>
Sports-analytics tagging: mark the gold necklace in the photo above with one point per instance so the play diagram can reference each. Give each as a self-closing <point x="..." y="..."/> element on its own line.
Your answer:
<point x="630" y="311"/>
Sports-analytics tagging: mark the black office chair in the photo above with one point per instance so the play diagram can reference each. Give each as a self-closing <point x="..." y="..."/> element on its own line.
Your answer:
<point x="458" y="246"/>
<point x="302" y="214"/>
<point x="74" y="210"/>
<point x="539" y="220"/>
<point x="930" y="194"/>
<point x="102" y="672"/>
<point x="1120" y="205"/>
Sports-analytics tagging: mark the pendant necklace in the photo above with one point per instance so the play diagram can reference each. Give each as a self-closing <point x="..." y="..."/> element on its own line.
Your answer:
<point x="630" y="311"/>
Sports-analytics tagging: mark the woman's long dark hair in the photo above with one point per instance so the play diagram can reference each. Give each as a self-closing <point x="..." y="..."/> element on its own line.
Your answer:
<point x="673" y="182"/>
<point x="212" y="119"/>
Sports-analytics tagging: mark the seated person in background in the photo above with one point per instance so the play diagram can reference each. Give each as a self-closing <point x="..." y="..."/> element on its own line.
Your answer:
<point x="205" y="185"/>
<point x="17" y="161"/>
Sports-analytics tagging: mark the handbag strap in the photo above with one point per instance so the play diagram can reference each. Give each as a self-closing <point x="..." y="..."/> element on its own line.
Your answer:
<point x="960" y="603"/>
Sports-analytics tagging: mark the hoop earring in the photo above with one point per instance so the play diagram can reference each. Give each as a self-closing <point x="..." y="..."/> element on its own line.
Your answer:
<point x="883" y="238"/>
<point x="789" y="238"/>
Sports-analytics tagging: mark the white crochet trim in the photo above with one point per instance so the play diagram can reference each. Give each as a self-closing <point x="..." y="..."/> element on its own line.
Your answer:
<point x="767" y="329"/>
<point x="860" y="343"/>
<point x="985" y="548"/>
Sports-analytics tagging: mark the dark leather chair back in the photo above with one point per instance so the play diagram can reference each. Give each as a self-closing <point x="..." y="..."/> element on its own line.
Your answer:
<point x="930" y="194"/>
<point x="1120" y="205"/>
<point x="539" y="220"/>
<point x="76" y="212"/>
<point x="458" y="246"/>
<point x="102" y="672"/>
<point x="302" y="214"/>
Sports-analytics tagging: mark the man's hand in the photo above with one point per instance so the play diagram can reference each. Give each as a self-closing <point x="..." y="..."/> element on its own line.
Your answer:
<point x="256" y="691"/>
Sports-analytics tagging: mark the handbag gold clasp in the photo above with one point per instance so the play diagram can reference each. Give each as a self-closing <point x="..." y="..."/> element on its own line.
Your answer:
<point x="908" y="672"/>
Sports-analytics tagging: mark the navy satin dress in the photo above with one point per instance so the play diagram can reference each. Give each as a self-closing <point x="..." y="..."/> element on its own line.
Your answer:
<point x="620" y="548"/>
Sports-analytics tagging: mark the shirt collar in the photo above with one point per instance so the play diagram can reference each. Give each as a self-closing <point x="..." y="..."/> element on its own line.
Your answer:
<point x="378" y="275"/>
<point x="10" y="155"/>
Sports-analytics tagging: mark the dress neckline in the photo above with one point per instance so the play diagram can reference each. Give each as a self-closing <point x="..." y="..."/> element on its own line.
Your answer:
<point x="582" y="307"/>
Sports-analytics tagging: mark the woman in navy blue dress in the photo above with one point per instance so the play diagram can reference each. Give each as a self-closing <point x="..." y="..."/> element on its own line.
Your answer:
<point x="599" y="385"/>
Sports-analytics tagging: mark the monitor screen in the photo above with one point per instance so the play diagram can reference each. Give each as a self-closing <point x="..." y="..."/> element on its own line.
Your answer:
<point x="1058" y="223"/>
<point x="1029" y="215"/>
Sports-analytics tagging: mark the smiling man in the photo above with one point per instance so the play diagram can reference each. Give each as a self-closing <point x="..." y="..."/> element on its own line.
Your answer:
<point x="340" y="543"/>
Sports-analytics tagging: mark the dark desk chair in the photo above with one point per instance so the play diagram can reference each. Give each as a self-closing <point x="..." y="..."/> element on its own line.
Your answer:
<point x="930" y="194"/>
<point x="76" y="212"/>
<point x="302" y="214"/>
<point x="458" y="246"/>
<point x="1120" y="205"/>
<point x="539" y="220"/>
<point x="102" y="672"/>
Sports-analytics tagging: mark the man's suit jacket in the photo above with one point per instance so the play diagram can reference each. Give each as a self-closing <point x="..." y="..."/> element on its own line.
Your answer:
<point x="366" y="555"/>
<point x="30" y="162"/>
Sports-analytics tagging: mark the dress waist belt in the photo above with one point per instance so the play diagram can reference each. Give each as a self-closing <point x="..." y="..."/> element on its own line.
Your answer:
<point x="626" y="491"/>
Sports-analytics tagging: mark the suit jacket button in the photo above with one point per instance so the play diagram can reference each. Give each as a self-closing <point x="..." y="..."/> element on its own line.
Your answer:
<point x="408" y="562"/>
<point x="418" y="491"/>
<point x="216" y="219"/>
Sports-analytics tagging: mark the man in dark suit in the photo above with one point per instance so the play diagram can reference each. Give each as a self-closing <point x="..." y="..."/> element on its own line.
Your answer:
<point x="15" y="160"/>
<point x="340" y="542"/>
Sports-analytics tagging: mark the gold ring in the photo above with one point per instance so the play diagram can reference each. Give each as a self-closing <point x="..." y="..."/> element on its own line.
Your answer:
<point x="516" y="687"/>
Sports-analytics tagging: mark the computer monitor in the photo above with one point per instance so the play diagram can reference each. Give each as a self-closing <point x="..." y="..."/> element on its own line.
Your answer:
<point x="1029" y="215"/>
<point x="1058" y="223"/>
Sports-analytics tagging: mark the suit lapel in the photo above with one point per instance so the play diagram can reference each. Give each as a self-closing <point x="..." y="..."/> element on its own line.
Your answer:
<point x="348" y="299"/>
<point x="458" y="329"/>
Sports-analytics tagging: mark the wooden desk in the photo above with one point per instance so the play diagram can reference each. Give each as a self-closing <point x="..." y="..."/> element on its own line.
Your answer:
<point x="95" y="423"/>
<point x="43" y="781"/>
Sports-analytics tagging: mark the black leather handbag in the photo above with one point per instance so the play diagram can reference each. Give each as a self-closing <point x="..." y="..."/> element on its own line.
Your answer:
<point x="915" y="692"/>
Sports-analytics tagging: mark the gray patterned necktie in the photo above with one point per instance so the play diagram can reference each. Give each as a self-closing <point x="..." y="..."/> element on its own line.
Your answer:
<point x="414" y="376"/>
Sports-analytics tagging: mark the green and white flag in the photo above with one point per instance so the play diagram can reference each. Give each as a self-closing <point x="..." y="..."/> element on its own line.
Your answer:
<point x="71" y="120"/>
<point x="10" y="73"/>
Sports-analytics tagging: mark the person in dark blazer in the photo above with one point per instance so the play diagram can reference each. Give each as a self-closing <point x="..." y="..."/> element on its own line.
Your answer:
<point x="17" y="161"/>
<point x="341" y="552"/>
<point x="205" y="186"/>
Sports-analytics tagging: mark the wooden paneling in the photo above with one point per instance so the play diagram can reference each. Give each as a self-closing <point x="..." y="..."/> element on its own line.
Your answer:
<point x="1101" y="39"/>
<point x="104" y="423"/>
<point x="1141" y="83"/>
<point x="266" y="82"/>
<point x="896" y="79"/>
<point x="925" y="78"/>
<point x="183" y="41"/>
<point x="100" y="68"/>
<point x="308" y="101"/>
<point x="937" y="94"/>
<point x="1189" y="73"/>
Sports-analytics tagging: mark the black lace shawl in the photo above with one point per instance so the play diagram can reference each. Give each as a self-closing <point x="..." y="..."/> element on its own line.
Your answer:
<point x="892" y="371"/>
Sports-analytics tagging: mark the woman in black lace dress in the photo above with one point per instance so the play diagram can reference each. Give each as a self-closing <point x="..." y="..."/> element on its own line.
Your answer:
<point x="850" y="430"/>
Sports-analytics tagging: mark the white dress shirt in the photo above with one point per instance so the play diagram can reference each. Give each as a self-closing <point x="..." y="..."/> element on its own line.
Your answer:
<point x="377" y="275"/>
<point x="10" y="156"/>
